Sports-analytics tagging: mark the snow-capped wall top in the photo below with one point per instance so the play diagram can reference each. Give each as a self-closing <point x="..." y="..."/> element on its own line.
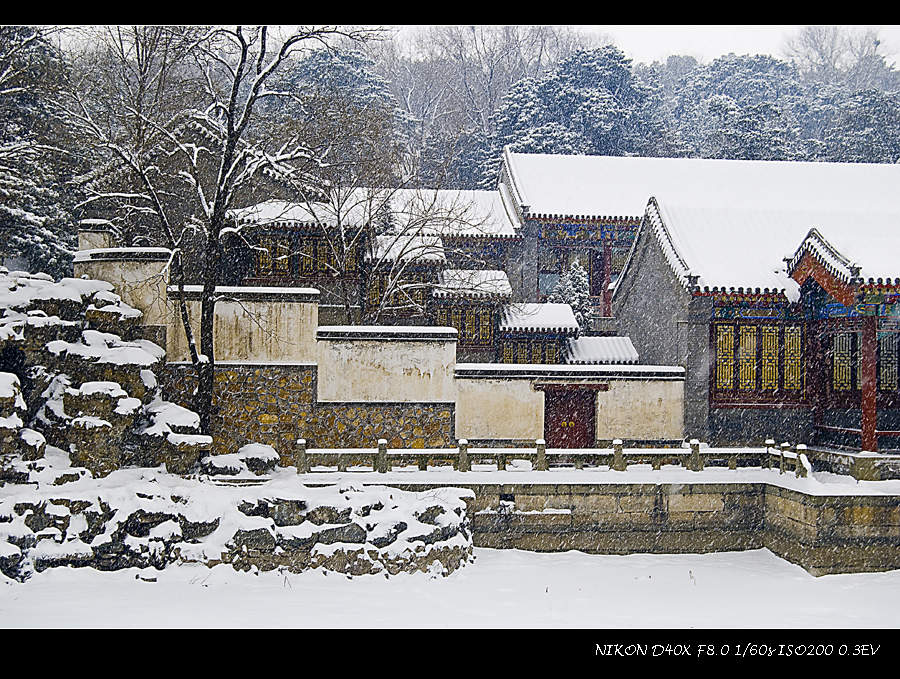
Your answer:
<point x="533" y="317"/>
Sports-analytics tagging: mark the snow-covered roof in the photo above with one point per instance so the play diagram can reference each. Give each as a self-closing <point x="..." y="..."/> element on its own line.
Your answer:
<point x="726" y="248"/>
<point x="282" y="213"/>
<point x="388" y="248"/>
<point x="451" y="213"/>
<point x="457" y="213"/>
<point x="473" y="283"/>
<point x="597" y="350"/>
<point x="534" y="317"/>
<point x="620" y="186"/>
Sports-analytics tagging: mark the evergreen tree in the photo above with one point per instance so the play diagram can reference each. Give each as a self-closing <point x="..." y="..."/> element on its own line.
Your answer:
<point x="574" y="289"/>
<point x="36" y="208"/>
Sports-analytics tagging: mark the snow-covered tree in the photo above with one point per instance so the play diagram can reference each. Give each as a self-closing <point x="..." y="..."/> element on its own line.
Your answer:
<point x="175" y="113"/>
<point x="36" y="218"/>
<point x="574" y="289"/>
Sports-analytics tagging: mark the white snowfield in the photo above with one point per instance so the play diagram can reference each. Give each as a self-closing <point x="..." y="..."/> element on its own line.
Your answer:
<point x="501" y="588"/>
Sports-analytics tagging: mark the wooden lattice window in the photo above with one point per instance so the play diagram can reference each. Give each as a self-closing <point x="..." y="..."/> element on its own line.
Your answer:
<point x="281" y="265"/>
<point x="307" y="257"/>
<point x="765" y="360"/>
<point x="887" y="360"/>
<point x="264" y="256"/>
<point x="793" y="353"/>
<point x="507" y="352"/>
<point x="769" y="358"/>
<point x="536" y="351"/>
<point x="486" y="329"/>
<point x="522" y="352"/>
<point x="747" y="357"/>
<point x="725" y="357"/>
<point x="551" y="353"/>
<point x="842" y="360"/>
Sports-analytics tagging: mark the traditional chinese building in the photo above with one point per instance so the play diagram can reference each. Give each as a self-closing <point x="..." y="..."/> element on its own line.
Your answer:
<point x="775" y="286"/>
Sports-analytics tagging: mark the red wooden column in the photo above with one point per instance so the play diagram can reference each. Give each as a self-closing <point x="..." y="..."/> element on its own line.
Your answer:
<point x="607" y="277"/>
<point x="868" y="383"/>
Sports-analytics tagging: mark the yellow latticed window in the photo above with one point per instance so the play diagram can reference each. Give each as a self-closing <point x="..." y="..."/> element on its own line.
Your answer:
<point x="375" y="290"/>
<point x="769" y="372"/>
<point x="551" y="352"/>
<point x="486" y="329"/>
<point x="352" y="254"/>
<point x="793" y="358"/>
<point x="725" y="357"/>
<point x="440" y="317"/>
<point x="887" y="361"/>
<point x="324" y="258"/>
<point x="747" y="357"/>
<point x="522" y="351"/>
<point x="282" y="263"/>
<point x="307" y="257"/>
<point x="471" y="324"/>
<point x="507" y="352"/>
<point x="536" y="346"/>
<point x="264" y="257"/>
<point x="456" y="320"/>
<point x="841" y="361"/>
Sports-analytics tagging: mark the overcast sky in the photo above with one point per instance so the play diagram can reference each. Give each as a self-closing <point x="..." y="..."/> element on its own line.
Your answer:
<point x="655" y="43"/>
<point x="649" y="43"/>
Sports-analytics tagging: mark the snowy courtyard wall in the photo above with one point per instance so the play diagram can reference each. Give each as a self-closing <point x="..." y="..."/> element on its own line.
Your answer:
<point x="255" y="325"/>
<point x="641" y="410"/>
<point x="499" y="409"/>
<point x="386" y="364"/>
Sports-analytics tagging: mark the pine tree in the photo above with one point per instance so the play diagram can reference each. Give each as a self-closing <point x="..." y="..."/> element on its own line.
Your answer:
<point x="574" y="289"/>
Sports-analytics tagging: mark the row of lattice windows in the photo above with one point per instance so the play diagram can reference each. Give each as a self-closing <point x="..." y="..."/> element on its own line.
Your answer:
<point x="758" y="357"/>
<point x="285" y="256"/>
<point x="529" y="351"/>
<point x="406" y="295"/>
<point x="846" y="361"/>
<point x="475" y="324"/>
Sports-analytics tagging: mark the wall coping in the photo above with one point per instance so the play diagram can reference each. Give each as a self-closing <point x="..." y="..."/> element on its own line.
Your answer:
<point x="123" y="255"/>
<point x="395" y="333"/>
<point x="245" y="293"/>
<point x="545" y="371"/>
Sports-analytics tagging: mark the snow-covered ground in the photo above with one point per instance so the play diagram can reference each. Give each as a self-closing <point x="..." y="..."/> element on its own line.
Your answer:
<point x="502" y="588"/>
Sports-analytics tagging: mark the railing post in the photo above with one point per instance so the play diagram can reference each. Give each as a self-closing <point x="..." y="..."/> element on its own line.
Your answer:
<point x="695" y="462"/>
<point x="800" y="468"/>
<point x="770" y="443"/>
<point x="618" y="456"/>
<point x="341" y="462"/>
<point x="381" y="461"/>
<point x="501" y="462"/>
<point x="302" y="460"/>
<point x="785" y="447"/>
<point x="464" y="465"/>
<point x="541" y="462"/>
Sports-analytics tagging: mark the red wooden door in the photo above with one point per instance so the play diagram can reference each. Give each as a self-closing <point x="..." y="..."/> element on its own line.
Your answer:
<point x="569" y="418"/>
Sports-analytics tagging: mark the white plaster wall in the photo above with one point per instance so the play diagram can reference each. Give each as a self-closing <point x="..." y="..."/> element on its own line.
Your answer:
<point x="499" y="409"/>
<point x="92" y="240"/>
<point x="140" y="284"/>
<point x="641" y="409"/>
<point x="261" y="332"/>
<point x="386" y="370"/>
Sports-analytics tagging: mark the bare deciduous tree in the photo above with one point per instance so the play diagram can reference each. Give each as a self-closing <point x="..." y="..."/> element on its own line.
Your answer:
<point x="177" y="111"/>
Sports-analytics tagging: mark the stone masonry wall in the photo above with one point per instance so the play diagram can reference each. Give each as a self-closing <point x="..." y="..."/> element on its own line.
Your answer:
<point x="276" y="404"/>
<point x="823" y="534"/>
